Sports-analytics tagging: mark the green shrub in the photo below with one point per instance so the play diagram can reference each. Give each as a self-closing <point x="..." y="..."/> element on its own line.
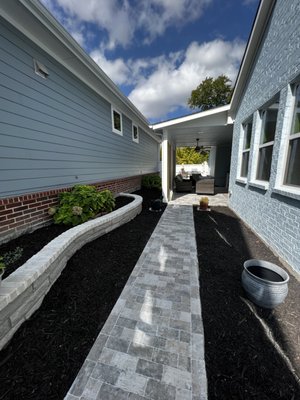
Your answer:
<point x="151" y="181"/>
<point x="10" y="257"/>
<point x="82" y="204"/>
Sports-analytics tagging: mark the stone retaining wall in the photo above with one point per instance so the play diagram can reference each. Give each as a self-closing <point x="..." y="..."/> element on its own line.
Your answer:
<point x="25" y="213"/>
<point x="22" y="292"/>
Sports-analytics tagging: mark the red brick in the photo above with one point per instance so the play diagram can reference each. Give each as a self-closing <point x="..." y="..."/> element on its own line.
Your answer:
<point x="13" y="205"/>
<point x="29" y="211"/>
<point x="16" y="224"/>
<point x="36" y="213"/>
<point x="29" y="201"/>
<point x="21" y="208"/>
<point x="6" y="212"/>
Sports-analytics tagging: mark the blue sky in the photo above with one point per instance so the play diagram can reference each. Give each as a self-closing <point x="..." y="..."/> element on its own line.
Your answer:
<point x="158" y="51"/>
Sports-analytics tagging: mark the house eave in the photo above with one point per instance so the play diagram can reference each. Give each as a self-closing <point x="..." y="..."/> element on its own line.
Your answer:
<point x="191" y="117"/>
<point x="258" y="30"/>
<point x="36" y="22"/>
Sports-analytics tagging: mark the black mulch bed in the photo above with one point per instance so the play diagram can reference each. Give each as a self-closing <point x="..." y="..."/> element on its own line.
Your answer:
<point x="242" y="363"/>
<point x="33" y="242"/>
<point x="46" y="353"/>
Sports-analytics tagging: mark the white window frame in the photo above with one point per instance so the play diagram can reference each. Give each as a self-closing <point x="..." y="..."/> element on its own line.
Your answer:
<point x="287" y="125"/>
<point x="245" y="150"/>
<point x="114" y="129"/>
<point x="137" y="139"/>
<point x="292" y="136"/>
<point x="263" y="114"/>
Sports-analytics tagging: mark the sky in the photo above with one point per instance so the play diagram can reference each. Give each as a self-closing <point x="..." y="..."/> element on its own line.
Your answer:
<point x="158" y="51"/>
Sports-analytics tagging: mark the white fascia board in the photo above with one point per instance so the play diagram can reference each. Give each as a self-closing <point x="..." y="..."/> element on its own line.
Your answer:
<point x="190" y="117"/>
<point x="37" y="23"/>
<point x="261" y="21"/>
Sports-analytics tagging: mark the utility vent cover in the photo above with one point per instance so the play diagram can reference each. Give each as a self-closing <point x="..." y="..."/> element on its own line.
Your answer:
<point x="40" y="69"/>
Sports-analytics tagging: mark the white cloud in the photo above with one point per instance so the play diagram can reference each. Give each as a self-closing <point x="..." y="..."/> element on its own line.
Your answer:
<point x="170" y="85"/>
<point x="122" y="19"/>
<point x="116" y="69"/>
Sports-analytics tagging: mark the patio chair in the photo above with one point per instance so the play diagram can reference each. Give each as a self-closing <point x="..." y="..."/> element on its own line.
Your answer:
<point x="182" y="185"/>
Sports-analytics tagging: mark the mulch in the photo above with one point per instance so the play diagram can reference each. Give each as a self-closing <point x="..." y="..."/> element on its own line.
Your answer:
<point x="44" y="356"/>
<point x="250" y="352"/>
<point x="46" y="353"/>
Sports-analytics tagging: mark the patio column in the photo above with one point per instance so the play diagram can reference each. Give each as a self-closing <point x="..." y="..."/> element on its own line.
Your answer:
<point x="165" y="166"/>
<point x="212" y="160"/>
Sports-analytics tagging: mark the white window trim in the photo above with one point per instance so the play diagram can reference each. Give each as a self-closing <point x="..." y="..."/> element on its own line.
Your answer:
<point x="119" y="132"/>
<point x="260" y="184"/>
<point x="137" y="140"/>
<point x="240" y="178"/>
<point x="281" y="188"/>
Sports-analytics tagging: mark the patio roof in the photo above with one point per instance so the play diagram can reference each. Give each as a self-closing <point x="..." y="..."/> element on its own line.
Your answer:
<point x="212" y="127"/>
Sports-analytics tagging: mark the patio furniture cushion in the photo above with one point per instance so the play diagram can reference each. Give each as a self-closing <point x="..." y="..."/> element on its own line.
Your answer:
<point x="205" y="185"/>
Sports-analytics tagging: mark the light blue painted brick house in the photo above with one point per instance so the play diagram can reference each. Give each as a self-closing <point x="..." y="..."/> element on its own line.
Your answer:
<point x="265" y="161"/>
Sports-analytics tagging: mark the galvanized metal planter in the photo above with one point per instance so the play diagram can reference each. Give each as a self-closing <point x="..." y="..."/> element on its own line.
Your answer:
<point x="265" y="284"/>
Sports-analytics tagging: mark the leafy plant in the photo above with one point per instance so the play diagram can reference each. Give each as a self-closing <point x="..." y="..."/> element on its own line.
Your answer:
<point x="82" y="204"/>
<point x="151" y="181"/>
<point x="188" y="155"/>
<point x="10" y="257"/>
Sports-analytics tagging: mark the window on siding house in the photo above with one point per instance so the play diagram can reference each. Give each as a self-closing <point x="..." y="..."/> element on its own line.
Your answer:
<point x="135" y="133"/>
<point x="268" y="128"/>
<point x="292" y="171"/>
<point x="116" y="117"/>
<point x="247" y="127"/>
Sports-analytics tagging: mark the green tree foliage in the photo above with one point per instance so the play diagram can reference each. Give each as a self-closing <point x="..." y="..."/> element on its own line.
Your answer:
<point x="211" y="93"/>
<point x="187" y="155"/>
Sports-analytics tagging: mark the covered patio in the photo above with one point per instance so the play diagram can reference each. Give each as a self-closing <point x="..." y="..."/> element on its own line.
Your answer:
<point x="213" y="128"/>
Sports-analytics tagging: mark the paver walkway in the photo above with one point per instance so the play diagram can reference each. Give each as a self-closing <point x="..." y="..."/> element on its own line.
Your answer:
<point x="152" y="345"/>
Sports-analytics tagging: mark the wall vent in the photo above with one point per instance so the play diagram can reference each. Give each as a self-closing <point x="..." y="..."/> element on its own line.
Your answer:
<point x="40" y="69"/>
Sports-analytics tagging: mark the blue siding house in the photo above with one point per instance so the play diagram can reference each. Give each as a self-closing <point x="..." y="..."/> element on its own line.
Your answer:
<point x="62" y="120"/>
<point x="265" y="164"/>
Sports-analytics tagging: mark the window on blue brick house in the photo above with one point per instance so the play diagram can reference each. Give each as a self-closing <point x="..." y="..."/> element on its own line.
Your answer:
<point x="116" y="118"/>
<point x="268" y="128"/>
<point x="247" y="126"/>
<point x="292" y="172"/>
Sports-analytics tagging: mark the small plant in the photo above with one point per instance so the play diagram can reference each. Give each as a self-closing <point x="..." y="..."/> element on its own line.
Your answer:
<point x="52" y="211"/>
<point x="82" y="203"/>
<point x="2" y="266"/>
<point x="203" y="203"/>
<point x="9" y="258"/>
<point x="151" y="181"/>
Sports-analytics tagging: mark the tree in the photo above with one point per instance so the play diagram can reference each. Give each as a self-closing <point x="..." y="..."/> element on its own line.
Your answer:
<point x="188" y="155"/>
<point x="211" y="93"/>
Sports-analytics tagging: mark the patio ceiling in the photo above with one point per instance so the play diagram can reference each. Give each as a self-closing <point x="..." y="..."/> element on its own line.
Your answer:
<point x="212" y="127"/>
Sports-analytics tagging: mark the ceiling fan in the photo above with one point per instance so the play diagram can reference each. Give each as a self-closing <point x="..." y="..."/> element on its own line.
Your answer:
<point x="201" y="149"/>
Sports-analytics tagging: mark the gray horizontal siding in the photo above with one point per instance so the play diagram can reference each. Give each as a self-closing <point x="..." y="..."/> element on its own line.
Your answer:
<point x="56" y="132"/>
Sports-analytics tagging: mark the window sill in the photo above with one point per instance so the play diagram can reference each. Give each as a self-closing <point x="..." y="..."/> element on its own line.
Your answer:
<point x="288" y="191"/>
<point x="241" y="180"/>
<point x="259" y="184"/>
<point x="118" y="132"/>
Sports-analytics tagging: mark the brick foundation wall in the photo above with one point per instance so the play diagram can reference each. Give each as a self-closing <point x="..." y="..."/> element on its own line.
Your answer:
<point x="28" y="212"/>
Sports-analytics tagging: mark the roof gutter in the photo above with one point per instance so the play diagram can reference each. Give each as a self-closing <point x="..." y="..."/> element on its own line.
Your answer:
<point x="68" y="53"/>
<point x="257" y="33"/>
